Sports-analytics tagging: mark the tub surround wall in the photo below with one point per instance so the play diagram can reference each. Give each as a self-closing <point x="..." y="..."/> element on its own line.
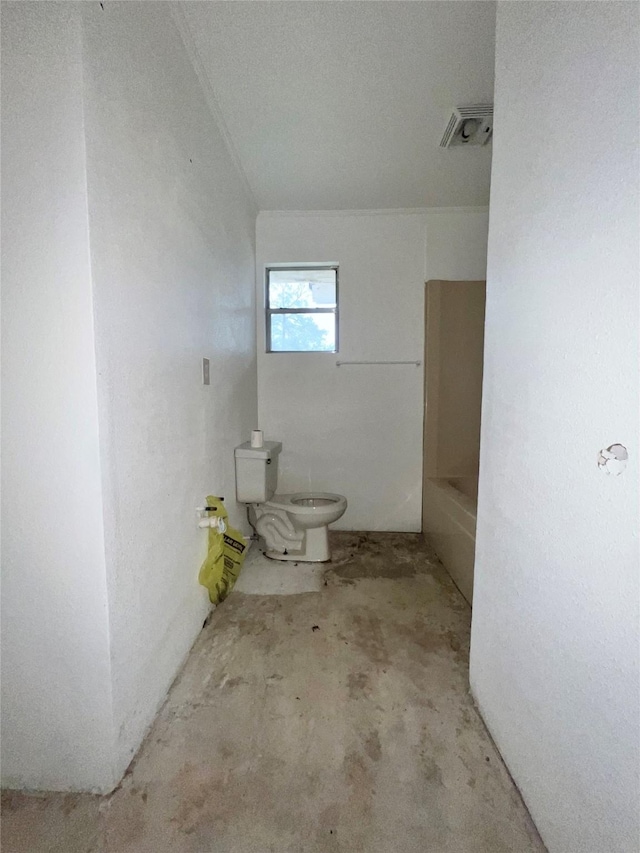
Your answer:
<point x="357" y="430"/>
<point x="454" y="335"/>
<point x="554" y="650"/>
<point x="454" y="340"/>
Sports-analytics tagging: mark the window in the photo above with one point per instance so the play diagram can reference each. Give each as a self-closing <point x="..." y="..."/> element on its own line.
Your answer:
<point x="302" y="309"/>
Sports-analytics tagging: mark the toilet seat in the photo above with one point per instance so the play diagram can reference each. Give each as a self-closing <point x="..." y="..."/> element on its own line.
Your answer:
<point x="307" y="503"/>
<point x="295" y="526"/>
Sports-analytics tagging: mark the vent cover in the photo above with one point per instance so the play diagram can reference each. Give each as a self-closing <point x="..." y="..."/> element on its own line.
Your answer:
<point x="472" y="125"/>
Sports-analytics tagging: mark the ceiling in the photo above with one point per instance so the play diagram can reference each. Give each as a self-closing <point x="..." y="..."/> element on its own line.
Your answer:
<point x="341" y="105"/>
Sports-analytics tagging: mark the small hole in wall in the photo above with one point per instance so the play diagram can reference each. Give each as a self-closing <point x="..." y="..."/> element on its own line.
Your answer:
<point x="613" y="459"/>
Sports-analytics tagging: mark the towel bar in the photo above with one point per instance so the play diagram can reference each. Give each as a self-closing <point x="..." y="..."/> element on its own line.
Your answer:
<point x="416" y="363"/>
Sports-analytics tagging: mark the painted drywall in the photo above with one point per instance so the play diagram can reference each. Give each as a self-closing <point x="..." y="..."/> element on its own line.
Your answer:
<point x="172" y="247"/>
<point x="56" y="680"/>
<point x="128" y="256"/>
<point x="554" y="652"/>
<point x="358" y="125"/>
<point x="357" y="430"/>
<point x="456" y="244"/>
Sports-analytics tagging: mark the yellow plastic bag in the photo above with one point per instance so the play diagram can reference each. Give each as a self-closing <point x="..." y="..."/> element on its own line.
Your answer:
<point x="227" y="551"/>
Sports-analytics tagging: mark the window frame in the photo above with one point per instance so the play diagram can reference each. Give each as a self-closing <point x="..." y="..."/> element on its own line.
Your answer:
<point x="269" y="311"/>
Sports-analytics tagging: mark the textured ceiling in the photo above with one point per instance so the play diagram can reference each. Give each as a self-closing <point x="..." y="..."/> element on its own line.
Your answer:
<point x="341" y="105"/>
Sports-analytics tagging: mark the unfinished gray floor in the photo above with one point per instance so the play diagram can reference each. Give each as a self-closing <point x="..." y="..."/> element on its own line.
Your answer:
<point x="322" y="722"/>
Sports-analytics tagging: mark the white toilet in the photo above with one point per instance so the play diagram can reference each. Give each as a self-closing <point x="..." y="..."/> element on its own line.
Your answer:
<point x="294" y="527"/>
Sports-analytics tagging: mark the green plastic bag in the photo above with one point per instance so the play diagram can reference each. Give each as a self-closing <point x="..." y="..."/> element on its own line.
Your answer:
<point x="227" y="551"/>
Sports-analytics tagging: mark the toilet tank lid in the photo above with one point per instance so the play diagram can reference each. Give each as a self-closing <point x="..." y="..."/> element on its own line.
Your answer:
<point x="268" y="449"/>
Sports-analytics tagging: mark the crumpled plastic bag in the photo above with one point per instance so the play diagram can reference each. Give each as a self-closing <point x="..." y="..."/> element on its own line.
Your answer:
<point x="224" y="560"/>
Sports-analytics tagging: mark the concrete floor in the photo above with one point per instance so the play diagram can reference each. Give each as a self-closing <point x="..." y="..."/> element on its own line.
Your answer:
<point x="331" y="721"/>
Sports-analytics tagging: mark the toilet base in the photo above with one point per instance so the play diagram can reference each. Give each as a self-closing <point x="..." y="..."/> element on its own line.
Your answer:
<point x="315" y="548"/>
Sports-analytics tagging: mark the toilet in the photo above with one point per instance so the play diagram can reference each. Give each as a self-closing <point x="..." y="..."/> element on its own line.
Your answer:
<point x="293" y="527"/>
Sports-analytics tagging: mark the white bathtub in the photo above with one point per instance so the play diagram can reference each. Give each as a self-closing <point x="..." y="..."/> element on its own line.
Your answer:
<point x="449" y="521"/>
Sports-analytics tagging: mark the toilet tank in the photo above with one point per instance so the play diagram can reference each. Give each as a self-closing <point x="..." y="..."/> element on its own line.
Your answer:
<point x="257" y="471"/>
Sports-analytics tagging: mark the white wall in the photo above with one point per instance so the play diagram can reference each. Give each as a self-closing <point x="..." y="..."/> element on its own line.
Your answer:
<point x="56" y="688"/>
<point x="456" y="244"/>
<point x="128" y="256"/>
<point x="172" y="244"/>
<point x="554" y="654"/>
<point x="357" y="430"/>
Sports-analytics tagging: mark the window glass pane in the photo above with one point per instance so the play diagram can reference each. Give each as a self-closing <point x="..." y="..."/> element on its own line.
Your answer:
<point x="303" y="332"/>
<point x="302" y="288"/>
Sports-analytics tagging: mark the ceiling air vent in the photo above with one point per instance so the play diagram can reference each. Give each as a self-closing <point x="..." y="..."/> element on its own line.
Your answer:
<point x="472" y="125"/>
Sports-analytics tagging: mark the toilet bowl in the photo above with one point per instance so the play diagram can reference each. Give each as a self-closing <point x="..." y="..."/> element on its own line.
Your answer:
<point x="291" y="527"/>
<point x="295" y="527"/>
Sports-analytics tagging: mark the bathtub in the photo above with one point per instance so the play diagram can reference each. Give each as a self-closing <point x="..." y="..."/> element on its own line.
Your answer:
<point x="449" y="522"/>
